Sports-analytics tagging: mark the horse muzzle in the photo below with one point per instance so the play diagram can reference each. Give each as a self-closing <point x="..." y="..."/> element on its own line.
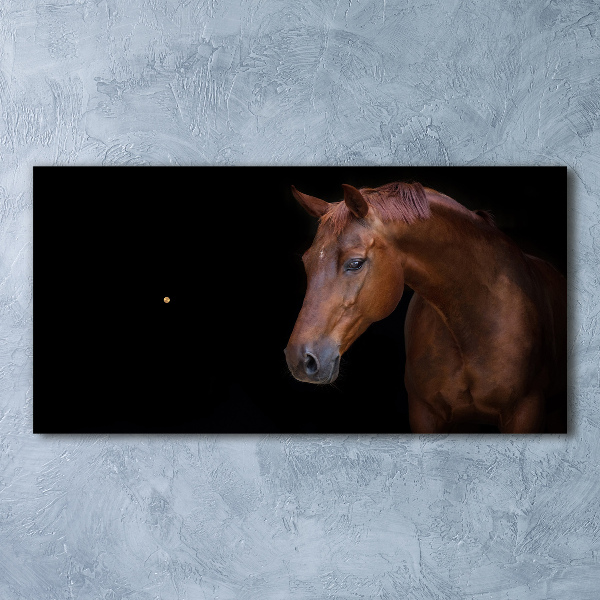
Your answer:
<point x="313" y="364"/>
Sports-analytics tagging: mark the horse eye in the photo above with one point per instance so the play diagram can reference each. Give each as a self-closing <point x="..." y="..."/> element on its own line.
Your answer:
<point x="354" y="264"/>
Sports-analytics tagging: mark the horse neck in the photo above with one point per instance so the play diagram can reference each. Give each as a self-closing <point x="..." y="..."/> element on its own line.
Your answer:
<point x="460" y="265"/>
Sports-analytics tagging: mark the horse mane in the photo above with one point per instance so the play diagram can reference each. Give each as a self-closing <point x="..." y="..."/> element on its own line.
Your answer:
<point x="487" y="216"/>
<point x="397" y="201"/>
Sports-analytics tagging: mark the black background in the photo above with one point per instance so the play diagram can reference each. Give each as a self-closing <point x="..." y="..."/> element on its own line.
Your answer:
<point x="224" y="243"/>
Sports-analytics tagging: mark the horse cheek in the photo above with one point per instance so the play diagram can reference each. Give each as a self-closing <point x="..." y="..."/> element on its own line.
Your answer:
<point x="389" y="295"/>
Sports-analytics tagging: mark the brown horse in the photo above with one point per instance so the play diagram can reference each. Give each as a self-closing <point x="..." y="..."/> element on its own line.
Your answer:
<point x="485" y="331"/>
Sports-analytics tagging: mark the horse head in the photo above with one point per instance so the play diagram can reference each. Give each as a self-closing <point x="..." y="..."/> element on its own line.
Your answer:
<point x="355" y="277"/>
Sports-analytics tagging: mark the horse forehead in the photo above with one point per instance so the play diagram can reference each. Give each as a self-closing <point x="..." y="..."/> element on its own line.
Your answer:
<point x="324" y="243"/>
<point x="322" y="250"/>
<point x="355" y="238"/>
<point x="327" y="246"/>
<point x="319" y="254"/>
<point x="353" y="235"/>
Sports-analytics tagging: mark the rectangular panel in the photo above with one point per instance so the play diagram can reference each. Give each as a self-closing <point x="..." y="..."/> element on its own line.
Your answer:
<point x="224" y="245"/>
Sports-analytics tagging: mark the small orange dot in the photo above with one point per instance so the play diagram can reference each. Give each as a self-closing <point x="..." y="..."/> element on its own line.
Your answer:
<point x="167" y="300"/>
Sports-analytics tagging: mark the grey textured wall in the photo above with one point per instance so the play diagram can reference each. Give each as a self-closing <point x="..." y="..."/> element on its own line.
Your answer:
<point x="165" y="82"/>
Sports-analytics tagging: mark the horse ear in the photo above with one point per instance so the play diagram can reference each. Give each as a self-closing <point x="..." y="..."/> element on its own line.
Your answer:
<point x="313" y="206"/>
<point x="354" y="201"/>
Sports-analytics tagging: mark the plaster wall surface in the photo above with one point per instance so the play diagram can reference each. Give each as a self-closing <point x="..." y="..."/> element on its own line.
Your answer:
<point x="244" y="82"/>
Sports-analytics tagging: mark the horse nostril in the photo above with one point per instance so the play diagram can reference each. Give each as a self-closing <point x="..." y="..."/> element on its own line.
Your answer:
<point x="311" y="364"/>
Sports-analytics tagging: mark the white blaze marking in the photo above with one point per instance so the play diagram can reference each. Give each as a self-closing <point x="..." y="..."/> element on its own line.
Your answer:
<point x="322" y="253"/>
